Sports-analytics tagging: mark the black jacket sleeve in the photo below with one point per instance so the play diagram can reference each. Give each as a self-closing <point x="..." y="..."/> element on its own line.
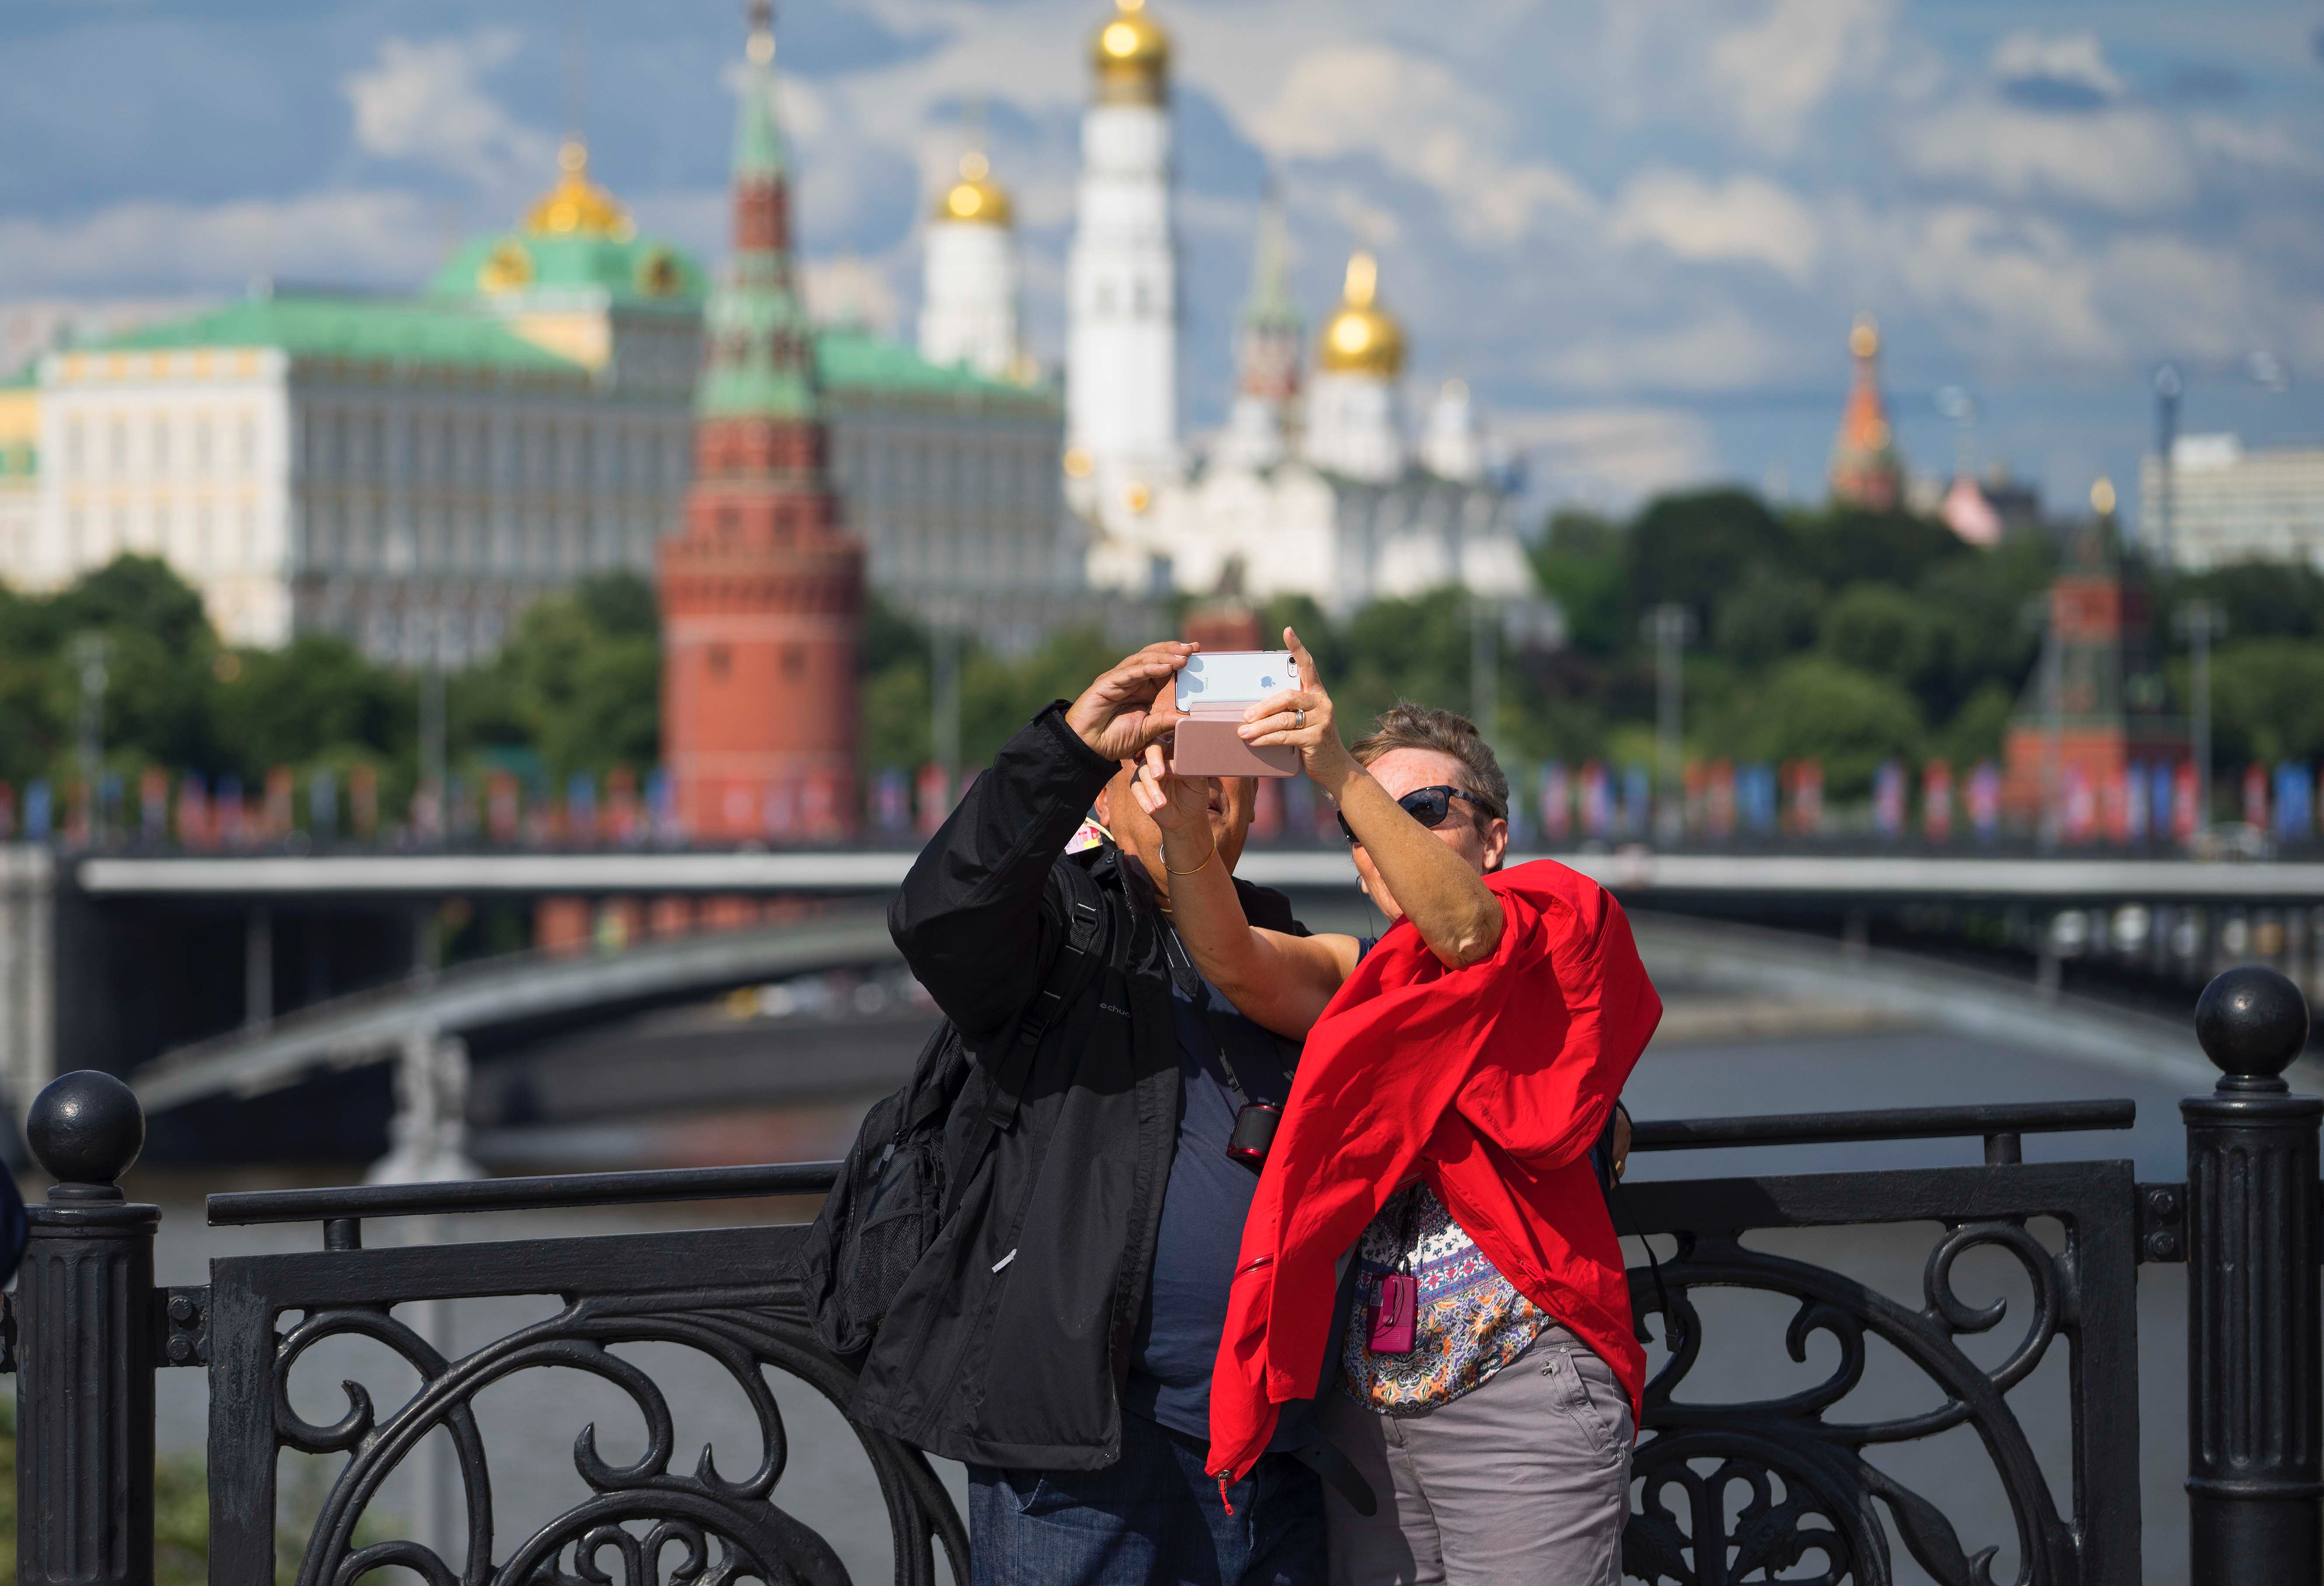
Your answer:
<point x="977" y="918"/>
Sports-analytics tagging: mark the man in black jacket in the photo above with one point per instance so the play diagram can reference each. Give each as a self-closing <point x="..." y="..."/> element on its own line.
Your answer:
<point x="1059" y="1334"/>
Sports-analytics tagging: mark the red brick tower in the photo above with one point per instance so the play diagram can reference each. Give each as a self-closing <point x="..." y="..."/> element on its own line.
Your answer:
<point x="762" y="590"/>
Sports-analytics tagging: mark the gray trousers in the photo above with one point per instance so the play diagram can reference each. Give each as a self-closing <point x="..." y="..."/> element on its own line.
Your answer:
<point x="1526" y="1477"/>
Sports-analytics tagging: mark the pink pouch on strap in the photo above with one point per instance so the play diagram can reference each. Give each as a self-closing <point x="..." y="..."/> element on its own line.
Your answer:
<point x="1392" y="1314"/>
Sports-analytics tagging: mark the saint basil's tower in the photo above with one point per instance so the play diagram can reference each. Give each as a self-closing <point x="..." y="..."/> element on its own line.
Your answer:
<point x="763" y="588"/>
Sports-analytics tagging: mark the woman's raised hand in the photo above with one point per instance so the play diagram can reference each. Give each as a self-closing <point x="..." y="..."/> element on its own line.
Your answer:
<point x="1301" y="718"/>
<point x="1180" y="805"/>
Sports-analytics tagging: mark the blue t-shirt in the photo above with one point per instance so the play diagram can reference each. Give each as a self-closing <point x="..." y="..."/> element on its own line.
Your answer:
<point x="1204" y="1206"/>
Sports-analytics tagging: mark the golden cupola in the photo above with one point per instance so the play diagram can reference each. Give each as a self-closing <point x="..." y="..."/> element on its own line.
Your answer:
<point x="1131" y="55"/>
<point x="576" y="206"/>
<point x="1360" y="337"/>
<point x="975" y="199"/>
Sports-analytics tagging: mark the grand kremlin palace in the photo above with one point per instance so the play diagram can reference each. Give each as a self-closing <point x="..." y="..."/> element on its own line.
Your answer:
<point x="410" y="471"/>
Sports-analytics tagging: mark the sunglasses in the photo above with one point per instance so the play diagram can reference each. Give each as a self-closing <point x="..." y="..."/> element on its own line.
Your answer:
<point x="1428" y="806"/>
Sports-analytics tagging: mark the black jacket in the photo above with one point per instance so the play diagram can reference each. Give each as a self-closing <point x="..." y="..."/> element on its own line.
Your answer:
<point x="1009" y="1343"/>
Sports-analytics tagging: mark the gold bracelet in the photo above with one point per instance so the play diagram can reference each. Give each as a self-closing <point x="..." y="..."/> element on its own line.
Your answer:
<point x="1213" y="853"/>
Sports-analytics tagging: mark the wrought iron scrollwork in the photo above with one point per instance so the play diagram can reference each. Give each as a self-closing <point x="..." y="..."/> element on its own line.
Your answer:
<point x="643" y="1523"/>
<point x="1773" y="1490"/>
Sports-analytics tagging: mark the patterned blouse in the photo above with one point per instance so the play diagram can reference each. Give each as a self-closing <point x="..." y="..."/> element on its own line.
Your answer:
<point x="1470" y="1322"/>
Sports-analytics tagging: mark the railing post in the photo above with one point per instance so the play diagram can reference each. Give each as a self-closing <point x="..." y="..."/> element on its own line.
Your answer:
<point x="2255" y="1350"/>
<point x="86" y="1320"/>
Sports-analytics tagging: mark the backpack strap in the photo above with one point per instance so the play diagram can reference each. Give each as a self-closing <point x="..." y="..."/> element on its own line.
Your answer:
<point x="1079" y="958"/>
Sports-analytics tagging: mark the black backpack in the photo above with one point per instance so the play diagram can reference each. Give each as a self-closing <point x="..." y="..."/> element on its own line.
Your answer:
<point x="899" y="1186"/>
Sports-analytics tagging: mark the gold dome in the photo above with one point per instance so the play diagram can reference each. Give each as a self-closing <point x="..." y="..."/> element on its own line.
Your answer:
<point x="508" y="268"/>
<point x="975" y="198"/>
<point x="576" y="206"/>
<point x="1360" y="337"/>
<point x="1864" y="337"/>
<point x="1131" y="54"/>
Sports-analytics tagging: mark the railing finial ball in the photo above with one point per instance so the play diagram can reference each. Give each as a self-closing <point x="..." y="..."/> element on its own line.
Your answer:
<point x="87" y="1127"/>
<point x="2251" y="1022"/>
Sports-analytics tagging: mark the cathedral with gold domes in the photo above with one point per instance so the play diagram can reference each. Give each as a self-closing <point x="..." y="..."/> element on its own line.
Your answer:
<point x="1317" y="485"/>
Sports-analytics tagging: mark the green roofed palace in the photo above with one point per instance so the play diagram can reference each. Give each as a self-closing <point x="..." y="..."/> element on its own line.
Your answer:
<point x="410" y="471"/>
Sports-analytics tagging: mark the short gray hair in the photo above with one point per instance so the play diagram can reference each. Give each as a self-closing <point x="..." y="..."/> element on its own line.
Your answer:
<point x="1408" y="726"/>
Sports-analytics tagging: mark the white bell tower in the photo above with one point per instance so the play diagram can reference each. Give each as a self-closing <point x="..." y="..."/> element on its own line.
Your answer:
<point x="1122" y="354"/>
<point x="968" y="315"/>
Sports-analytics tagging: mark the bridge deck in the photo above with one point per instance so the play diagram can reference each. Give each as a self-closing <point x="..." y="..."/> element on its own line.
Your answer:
<point x="1931" y="877"/>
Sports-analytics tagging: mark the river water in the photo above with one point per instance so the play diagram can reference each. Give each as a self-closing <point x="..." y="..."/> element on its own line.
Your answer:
<point x="530" y="1421"/>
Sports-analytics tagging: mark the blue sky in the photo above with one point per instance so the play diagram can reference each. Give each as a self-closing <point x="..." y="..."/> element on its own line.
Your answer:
<point x="1639" y="229"/>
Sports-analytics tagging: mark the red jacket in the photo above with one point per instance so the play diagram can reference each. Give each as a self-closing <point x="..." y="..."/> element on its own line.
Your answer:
<point x="1490" y="1083"/>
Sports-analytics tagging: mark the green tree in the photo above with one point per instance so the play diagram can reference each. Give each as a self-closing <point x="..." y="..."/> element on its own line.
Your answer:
<point x="580" y="683"/>
<point x="314" y="696"/>
<point x="1877" y="628"/>
<point x="1693" y="548"/>
<point x="2267" y="700"/>
<point x="1000" y="695"/>
<point x="2260" y="600"/>
<point x="1842" y="546"/>
<point x="160" y="653"/>
<point x="1579" y="563"/>
<point x="1817" y="708"/>
<point x="1978" y="729"/>
<point x="1768" y="614"/>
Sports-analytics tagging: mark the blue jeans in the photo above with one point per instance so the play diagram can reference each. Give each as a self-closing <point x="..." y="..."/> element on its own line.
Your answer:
<point x="1152" y="1518"/>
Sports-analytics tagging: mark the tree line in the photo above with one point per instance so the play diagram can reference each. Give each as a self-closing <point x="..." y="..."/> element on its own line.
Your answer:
<point x="1846" y="638"/>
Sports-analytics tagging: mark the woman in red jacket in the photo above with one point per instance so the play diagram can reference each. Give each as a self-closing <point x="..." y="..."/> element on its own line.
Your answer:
<point x="1495" y="1429"/>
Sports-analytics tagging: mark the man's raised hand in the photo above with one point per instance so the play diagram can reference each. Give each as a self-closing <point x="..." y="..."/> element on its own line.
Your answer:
<point x="1115" y="715"/>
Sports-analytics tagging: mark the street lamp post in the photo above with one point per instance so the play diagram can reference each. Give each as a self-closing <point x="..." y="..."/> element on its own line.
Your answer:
<point x="433" y="727"/>
<point x="2200" y="623"/>
<point x="2053" y="734"/>
<point x="2168" y="382"/>
<point x="1484" y="662"/>
<point x="89" y="653"/>
<point x="1667" y="627"/>
<point x="944" y="726"/>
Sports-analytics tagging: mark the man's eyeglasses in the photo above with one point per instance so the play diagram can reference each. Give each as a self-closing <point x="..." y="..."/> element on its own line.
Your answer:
<point x="1429" y="806"/>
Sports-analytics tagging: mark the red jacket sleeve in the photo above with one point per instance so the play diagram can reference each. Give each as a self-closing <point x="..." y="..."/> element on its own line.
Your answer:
<point x="1577" y="1009"/>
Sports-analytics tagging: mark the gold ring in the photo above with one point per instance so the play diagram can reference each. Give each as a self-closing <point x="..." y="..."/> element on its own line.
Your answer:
<point x="1301" y="719"/>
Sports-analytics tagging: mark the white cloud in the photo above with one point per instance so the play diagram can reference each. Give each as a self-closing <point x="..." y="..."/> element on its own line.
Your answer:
<point x="1610" y="457"/>
<point x="2073" y="60"/>
<point x="1778" y="71"/>
<point x="2030" y="293"/>
<point x="2127" y="160"/>
<point x="349" y="236"/>
<point x="1699" y="347"/>
<point x="1744" y="218"/>
<point x="801" y="108"/>
<point x="425" y="102"/>
<point x="1420" y="121"/>
<point x="848" y="289"/>
<point x="2267" y="148"/>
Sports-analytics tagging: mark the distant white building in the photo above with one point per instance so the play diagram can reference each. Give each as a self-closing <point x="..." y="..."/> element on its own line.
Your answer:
<point x="968" y="315"/>
<point x="2226" y="504"/>
<point x="410" y="473"/>
<point x="1317" y="485"/>
<point x="20" y="468"/>
<point x="1121" y="281"/>
<point x="1328" y="499"/>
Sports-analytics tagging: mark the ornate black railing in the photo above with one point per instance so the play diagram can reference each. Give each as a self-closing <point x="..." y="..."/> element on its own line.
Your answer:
<point x="1800" y="1486"/>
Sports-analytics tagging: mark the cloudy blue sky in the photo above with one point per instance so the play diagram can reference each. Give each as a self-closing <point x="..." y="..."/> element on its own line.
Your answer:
<point x="1639" y="228"/>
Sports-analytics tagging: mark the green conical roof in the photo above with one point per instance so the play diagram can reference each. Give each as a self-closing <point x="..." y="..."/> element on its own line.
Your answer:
<point x="761" y="361"/>
<point x="1271" y="306"/>
<point x="758" y="135"/>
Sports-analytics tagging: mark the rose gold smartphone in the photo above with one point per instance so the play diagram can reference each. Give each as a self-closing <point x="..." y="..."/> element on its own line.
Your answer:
<point x="1212" y="691"/>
